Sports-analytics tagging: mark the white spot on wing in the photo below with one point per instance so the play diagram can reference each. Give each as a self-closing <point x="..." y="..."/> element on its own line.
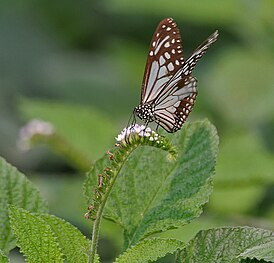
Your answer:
<point x="167" y="44"/>
<point x="162" y="72"/>
<point x="177" y="104"/>
<point x="167" y="55"/>
<point x="162" y="60"/>
<point x="170" y="66"/>
<point x="171" y="109"/>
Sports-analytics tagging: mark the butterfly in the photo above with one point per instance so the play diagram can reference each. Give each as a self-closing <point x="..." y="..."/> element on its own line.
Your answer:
<point x="169" y="90"/>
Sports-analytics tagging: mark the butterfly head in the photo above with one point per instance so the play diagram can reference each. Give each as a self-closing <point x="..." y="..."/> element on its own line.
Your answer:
<point x="145" y="112"/>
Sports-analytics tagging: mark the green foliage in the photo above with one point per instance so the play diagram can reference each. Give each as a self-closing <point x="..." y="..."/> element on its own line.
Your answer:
<point x="17" y="190"/>
<point x="237" y="190"/>
<point x="173" y="193"/>
<point x="108" y="174"/>
<point x="150" y="250"/>
<point x="46" y="238"/>
<point x="260" y="252"/>
<point x="249" y="88"/>
<point x="73" y="244"/>
<point x="110" y="166"/>
<point x="3" y="258"/>
<point x="70" y="120"/>
<point x="209" y="13"/>
<point x="35" y="238"/>
<point x="249" y="152"/>
<point x="224" y="244"/>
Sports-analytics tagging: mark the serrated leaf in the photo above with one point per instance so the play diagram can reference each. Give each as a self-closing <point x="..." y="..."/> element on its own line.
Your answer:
<point x="153" y="194"/>
<point x="34" y="237"/>
<point x="150" y="250"/>
<point x="223" y="244"/>
<point x="261" y="252"/>
<point x="3" y="257"/>
<point x="95" y="131"/>
<point x="17" y="190"/>
<point x="73" y="243"/>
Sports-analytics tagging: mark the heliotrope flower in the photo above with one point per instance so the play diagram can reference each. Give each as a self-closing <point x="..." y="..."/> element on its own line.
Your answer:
<point x="139" y="130"/>
<point x="32" y="128"/>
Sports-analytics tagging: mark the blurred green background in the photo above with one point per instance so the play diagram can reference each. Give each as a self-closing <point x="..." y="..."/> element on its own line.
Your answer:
<point x="79" y="65"/>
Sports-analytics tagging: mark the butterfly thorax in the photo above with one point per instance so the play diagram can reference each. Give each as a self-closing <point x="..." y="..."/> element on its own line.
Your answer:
<point x="145" y="112"/>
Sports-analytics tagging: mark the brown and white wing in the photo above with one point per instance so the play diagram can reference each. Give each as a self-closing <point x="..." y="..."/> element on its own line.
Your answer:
<point x="165" y="57"/>
<point x="172" y="110"/>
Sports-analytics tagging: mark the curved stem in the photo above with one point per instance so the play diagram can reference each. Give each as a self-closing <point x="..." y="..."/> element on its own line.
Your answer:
<point x="97" y="221"/>
<point x="117" y="159"/>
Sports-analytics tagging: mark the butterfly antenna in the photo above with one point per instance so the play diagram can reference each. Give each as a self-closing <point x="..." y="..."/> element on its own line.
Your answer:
<point x="157" y="127"/>
<point x="129" y="121"/>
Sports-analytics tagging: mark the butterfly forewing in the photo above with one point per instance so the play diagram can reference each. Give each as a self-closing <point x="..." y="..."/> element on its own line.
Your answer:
<point x="165" y="57"/>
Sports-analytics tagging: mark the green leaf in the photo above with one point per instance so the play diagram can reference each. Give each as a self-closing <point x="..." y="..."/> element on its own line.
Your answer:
<point x="3" y="257"/>
<point x="260" y="252"/>
<point x="17" y="190"/>
<point x="150" y="250"/>
<point x="153" y="194"/>
<point x="223" y="244"/>
<point x="35" y="238"/>
<point x="244" y="168"/>
<point x="74" y="245"/>
<point x="95" y="132"/>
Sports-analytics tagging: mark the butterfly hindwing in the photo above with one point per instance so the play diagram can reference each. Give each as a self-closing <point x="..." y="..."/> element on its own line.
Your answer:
<point x="172" y="111"/>
<point x="198" y="53"/>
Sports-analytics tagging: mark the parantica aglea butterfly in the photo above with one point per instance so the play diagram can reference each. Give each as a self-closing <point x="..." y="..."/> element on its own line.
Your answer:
<point x="168" y="89"/>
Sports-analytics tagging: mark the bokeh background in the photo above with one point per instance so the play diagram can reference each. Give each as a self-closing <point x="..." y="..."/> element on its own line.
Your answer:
<point x="79" y="65"/>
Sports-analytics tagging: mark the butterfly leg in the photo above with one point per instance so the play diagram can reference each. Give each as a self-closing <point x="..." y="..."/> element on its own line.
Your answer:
<point x="133" y="117"/>
<point x="146" y="124"/>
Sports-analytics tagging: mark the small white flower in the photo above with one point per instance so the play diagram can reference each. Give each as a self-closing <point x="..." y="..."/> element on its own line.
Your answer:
<point x="33" y="127"/>
<point x="141" y="130"/>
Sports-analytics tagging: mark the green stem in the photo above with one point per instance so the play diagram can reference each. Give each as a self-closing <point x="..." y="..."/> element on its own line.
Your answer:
<point x="97" y="221"/>
<point x="117" y="160"/>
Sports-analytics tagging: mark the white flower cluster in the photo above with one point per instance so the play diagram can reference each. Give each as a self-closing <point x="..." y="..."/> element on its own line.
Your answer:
<point x="140" y="130"/>
<point x="33" y="127"/>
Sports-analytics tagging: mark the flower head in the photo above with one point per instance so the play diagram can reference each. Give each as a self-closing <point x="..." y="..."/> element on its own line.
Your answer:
<point x="139" y="130"/>
<point x="32" y="128"/>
